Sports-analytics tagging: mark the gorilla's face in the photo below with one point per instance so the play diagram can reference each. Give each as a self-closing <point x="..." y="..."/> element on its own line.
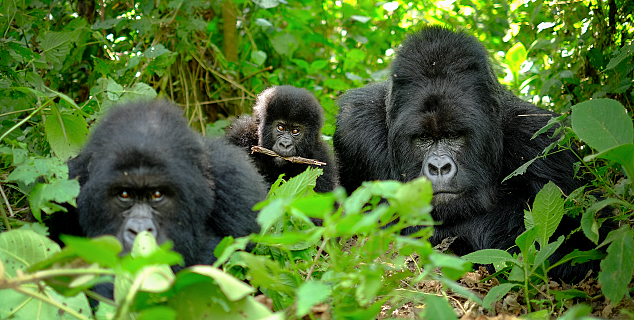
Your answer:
<point x="285" y="139"/>
<point x="443" y="133"/>
<point x="140" y="199"/>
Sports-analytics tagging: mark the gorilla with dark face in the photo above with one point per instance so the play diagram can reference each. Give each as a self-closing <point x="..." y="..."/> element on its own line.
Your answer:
<point x="443" y="114"/>
<point x="144" y="169"/>
<point x="287" y="120"/>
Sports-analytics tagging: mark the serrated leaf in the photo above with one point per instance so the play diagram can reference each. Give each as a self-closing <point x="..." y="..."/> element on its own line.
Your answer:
<point x="310" y="294"/>
<point x="602" y="123"/>
<point x="617" y="268"/>
<point x="521" y="170"/>
<point x="625" y="52"/>
<point x="548" y="209"/>
<point x="56" y="46"/>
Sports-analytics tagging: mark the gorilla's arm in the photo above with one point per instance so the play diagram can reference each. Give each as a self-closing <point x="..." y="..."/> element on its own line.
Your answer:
<point x="231" y="207"/>
<point x="360" y="139"/>
<point x="243" y="132"/>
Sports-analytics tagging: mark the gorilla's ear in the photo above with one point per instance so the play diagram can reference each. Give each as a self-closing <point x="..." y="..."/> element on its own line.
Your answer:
<point x="80" y="167"/>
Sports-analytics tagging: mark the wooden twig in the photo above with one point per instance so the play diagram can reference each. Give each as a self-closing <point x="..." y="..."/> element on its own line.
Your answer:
<point x="291" y="159"/>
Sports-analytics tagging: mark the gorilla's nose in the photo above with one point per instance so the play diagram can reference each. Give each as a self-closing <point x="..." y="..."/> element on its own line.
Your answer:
<point x="440" y="168"/>
<point x="135" y="226"/>
<point x="286" y="144"/>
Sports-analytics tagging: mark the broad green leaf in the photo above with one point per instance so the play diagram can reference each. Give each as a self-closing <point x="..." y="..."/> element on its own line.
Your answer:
<point x="299" y="185"/>
<point x="106" y="24"/>
<point x="336" y="84"/>
<point x="263" y="22"/>
<point x="548" y="209"/>
<point x="516" y="56"/>
<point x="602" y="123"/>
<point x="258" y="57"/>
<point x="285" y="43"/>
<point x="43" y="195"/>
<point x="65" y="133"/>
<point x="623" y="155"/>
<point x="316" y="206"/>
<point x="103" y="249"/>
<point x="157" y="313"/>
<point x="369" y="282"/>
<point x="486" y="256"/>
<point x="496" y="293"/>
<point x="578" y="312"/>
<point x="452" y="267"/>
<point x="577" y="256"/>
<point x="233" y="288"/>
<point x="318" y="65"/>
<point x="19" y="250"/>
<point x="617" y="268"/>
<point x="140" y="91"/>
<point x="310" y="294"/>
<point x="438" y="308"/>
<point x="56" y="46"/>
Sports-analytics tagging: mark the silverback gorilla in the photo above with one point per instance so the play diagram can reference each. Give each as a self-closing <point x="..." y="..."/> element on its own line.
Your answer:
<point x="144" y="169"/>
<point x="443" y="114"/>
<point x="287" y="120"/>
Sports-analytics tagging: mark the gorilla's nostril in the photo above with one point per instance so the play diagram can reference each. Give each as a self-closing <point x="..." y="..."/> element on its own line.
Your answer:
<point x="446" y="169"/>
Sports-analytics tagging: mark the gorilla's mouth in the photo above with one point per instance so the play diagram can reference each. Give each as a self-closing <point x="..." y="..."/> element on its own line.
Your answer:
<point x="446" y="195"/>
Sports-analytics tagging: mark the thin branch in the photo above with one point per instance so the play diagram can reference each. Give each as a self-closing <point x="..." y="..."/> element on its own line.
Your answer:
<point x="312" y="267"/>
<point x="291" y="159"/>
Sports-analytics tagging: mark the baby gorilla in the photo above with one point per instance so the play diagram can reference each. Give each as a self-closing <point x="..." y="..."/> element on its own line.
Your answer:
<point x="144" y="169"/>
<point x="287" y="120"/>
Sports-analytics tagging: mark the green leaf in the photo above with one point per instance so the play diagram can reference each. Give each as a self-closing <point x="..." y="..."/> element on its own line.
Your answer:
<point x="602" y="123"/>
<point x="65" y="133"/>
<point x="258" y="57"/>
<point x="140" y="91"/>
<point x="284" y="43"/>
<point x="318" y="65"/>
<point x="233" y="288"/>
<point x="545" y="252"/>
<point x="625" y="52"/>
<point x="496" y="293"/>
<point x="56" y="46"/>
<point x="525" y="240"/>
<point x="106" y="24"/>
<point x="521" y="170"/>
<point x="157" y="313"/>
<point x="577" y="312"/>
<point x="617" y="267"/>
<point x="623" y="155"/>
<point x="589" y="224"/>
<point x="548" y="209"/>
<point x="310" y="294"/>
<point x="362" y="19"/>
<point x="43" y="195"/>
<point x="19" y="250"/>
<point x="516" y="56"/>
<point x="155" y="51"/>
<point x="486" y="256"/>
<point x="267" y="4"/>
<point x="438" y="308"/>
<point x="103" y="249"/>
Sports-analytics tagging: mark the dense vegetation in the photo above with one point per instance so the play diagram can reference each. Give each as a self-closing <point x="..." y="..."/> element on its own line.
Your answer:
<point x="64" y="63"/>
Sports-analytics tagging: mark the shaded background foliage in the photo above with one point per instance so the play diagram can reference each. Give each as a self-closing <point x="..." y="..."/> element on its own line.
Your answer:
<point x="64" y="63"/>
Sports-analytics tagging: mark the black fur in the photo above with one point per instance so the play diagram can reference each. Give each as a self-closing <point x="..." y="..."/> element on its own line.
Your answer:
<point x="208" y="187"/>
<point x="442" y="104"/>
<point x="292" y="107"/>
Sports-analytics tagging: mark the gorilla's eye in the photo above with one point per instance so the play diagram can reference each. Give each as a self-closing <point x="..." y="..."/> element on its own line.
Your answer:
<point x="280" y="127"/>
<point x="295" y="131"/>
<point x="157" y="195"/>
<point x="124" y="195"/>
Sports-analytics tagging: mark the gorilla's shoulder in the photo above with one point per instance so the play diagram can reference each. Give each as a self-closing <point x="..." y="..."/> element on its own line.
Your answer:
<point x="243" y="132"/>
